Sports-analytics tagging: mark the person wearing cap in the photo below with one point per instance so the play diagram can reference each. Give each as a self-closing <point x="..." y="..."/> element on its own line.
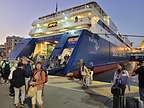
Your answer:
<point x="120" y="80"/>
<point x="122" y="77"/>
<point x="6" y="70"/>
<point x="19" y="85"/>
<point x="28" y="70"/>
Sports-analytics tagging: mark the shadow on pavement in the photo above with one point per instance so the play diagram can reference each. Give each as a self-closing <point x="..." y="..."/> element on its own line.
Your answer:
<point x="107" y="101"/>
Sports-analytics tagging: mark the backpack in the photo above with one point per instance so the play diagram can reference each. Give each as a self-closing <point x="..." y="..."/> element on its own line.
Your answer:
<point x="116" y="88"/>
<point x="132" y="103"/>
<point x="46" y="77"/>
<point x="6" y="67"/>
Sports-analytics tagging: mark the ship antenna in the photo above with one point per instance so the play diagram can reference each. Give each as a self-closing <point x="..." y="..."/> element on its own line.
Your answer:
<point x="56" y="10"/>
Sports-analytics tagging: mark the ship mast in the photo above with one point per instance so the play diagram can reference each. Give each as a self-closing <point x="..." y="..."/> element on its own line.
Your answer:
<point x="56" y="8"/>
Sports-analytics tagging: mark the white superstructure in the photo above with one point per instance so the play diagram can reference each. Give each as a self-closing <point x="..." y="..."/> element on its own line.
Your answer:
<point x="88" y="16"/>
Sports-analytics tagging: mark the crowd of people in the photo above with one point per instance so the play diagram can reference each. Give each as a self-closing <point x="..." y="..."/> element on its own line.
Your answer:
<point x="120" y="81"/>
<point x="56" y="62"/>
<point x="22" y="76"/>
<point x="26" y="79"/>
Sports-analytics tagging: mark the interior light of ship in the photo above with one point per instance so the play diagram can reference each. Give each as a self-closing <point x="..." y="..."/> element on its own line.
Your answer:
<point x="62" y="21"/>
<point x="87" y="6"/>
<point x="79" y="27"/>
<point x="72" y="18"/>
<point x="89" y="14"/>
<point x="49" y="33"/>
<point x="62" y="30"/>
<point x="45" y="25"/>
<point x="46" y="43"/>
<point x="72" y="32"/>
<point x="38" y="25"/>
<point x="55" y="41"/>
<point x="65" y="17"/>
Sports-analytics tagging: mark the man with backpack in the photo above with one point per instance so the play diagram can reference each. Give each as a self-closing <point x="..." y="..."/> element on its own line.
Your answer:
<point x="121" y="79"/>
<point x="1" y="72"/>
<point x="6" y="70"/>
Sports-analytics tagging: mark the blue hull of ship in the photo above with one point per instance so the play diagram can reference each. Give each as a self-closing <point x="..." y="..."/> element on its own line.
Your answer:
<point x="94" y="50"/>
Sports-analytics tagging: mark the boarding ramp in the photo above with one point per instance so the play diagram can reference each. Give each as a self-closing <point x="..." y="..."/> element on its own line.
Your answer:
<point x="24" y="48"/>
<point x="58" y="50"/>
<point x="60" y="46"/>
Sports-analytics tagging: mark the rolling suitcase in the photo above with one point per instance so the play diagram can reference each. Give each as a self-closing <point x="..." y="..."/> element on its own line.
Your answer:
<point x="132" y="102"/>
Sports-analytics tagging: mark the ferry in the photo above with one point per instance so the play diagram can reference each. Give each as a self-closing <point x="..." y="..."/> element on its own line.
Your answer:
<point x="83" y="32"/>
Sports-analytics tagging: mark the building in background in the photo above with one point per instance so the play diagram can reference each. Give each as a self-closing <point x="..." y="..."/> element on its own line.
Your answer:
<point x="11" y="42"/>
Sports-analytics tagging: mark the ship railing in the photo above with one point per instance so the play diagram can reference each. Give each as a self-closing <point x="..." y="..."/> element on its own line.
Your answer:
<point x="84" y="21"/>
<point x="74" y="9"/>
<point x="59" y="16"/>
<point x="68" y="25"/>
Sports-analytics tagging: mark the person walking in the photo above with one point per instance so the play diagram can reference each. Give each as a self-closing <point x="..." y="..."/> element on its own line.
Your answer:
<point x="11" y="87"/>
<point x="1" y="72"/>
<point x="28" y="70"/>
<point x="91" y="75"/>
<point x="19" y="85"/>
<point x="120" y="80"/>
<point x="122" y="77"/>
<point x="38" y="80"/>
<point x="140" y="72"/>
<point x="88" y="77"/>
<point x="85" y="75"/>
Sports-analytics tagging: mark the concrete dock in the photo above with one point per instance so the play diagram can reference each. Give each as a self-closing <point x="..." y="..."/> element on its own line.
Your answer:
<point x="60" y="92"/>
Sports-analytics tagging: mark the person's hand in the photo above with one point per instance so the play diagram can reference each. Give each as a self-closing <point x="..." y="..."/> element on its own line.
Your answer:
<point x="133" y="74"/>
<point x="32" y="83"/>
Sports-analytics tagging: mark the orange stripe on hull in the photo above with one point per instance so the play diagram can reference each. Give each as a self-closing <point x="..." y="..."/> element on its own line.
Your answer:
<point x="97" y="70"/>
<point x="106" y="68"/>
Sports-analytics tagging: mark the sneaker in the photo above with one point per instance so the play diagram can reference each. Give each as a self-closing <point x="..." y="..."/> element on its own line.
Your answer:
<point x="12" y="94"/>
<point x="22" y="106"/>
<point x="16" y="106"/>
<point x="11" y="97"/>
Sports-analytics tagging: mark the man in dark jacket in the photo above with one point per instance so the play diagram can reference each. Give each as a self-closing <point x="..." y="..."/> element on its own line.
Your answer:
<point x="140" y="72"/>
<point x="6" y="70"/>
<point x="28" y="70"/>
<point x="19" y="84"/>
